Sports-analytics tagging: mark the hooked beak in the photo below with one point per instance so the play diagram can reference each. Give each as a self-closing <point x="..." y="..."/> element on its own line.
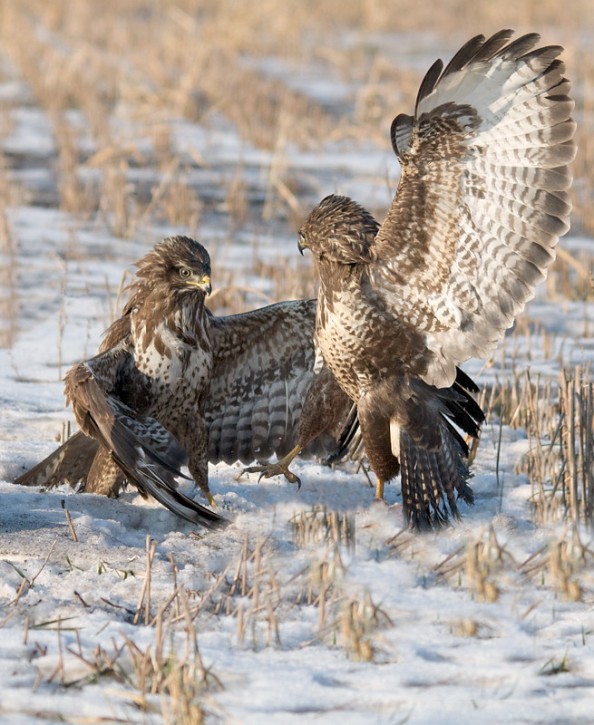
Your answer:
<point x="205" y="284"/>
<point x="202" y="283"/>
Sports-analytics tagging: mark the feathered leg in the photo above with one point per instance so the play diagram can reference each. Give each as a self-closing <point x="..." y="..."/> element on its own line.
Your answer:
<point x="105" y="476"/>
<point x="377" y="435"/>
<point x="193" y="437"/>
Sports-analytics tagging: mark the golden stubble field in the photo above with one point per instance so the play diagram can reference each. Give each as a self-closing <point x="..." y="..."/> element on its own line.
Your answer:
<point x="112" y="79"/>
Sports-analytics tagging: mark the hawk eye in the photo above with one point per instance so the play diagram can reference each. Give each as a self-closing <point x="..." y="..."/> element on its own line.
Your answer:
<point x="184" y="272"/>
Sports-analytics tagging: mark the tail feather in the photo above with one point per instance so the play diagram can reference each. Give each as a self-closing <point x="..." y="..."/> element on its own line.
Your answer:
<point x="433" y="500"/>
<point x="434" y="454"/>
<point x="433" y="480"/>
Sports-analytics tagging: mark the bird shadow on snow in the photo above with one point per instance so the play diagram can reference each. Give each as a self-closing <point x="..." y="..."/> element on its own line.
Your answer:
<point x="31" y="509"/>
<point x="338" y="489"/>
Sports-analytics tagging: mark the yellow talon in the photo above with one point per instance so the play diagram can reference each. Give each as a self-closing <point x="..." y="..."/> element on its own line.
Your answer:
<point x="281" y="467"/>
<point x="379" y="490"/>
<point x="210" y="499"/>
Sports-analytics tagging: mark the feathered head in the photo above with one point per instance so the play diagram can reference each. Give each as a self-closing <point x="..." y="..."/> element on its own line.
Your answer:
<point x="339" y="230"/>
<point x="179" y="263"/>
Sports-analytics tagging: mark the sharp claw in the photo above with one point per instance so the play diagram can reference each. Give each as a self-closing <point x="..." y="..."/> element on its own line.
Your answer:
<point x="274" y="469"/>
<point x="251" y="469"/>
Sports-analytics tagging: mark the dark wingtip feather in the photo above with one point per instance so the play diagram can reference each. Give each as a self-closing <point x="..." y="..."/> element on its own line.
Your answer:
<point x="466" y="381"/>
<point x="349" y="442"/>
<point x="149" y="478"/>
<point x="520" y="46"/>
<point x="493" y="45"/>
<point x="429" y="81"/>
<point x="401" y="132"/>
<point x="466" y="53"/>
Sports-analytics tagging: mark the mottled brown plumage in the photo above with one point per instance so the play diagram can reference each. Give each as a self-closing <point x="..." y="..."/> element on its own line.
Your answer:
<point x="172" y="379"/>
<point x="142" y="397"/>
<point x="481" y="203"/>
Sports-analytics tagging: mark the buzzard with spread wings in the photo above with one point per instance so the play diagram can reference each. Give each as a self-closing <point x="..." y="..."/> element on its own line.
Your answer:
<point x="481" y="203"/>
<point x="173" y="382"/>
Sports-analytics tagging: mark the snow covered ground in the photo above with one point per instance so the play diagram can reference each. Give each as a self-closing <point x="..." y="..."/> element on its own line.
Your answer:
<point x="314" y="605"/>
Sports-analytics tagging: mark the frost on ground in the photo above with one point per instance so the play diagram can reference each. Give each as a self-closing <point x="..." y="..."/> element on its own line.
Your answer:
<point x="314" y="605"/>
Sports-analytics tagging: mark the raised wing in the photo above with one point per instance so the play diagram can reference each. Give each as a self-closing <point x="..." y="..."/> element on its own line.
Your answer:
<point x="149" y="455"/>
<point x="264" y="367"/>
<point x="482" y="199"/>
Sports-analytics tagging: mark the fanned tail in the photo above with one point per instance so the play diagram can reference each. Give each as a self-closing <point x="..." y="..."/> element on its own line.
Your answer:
<point x="435" y="472"/>
<point x="432" y="481"/>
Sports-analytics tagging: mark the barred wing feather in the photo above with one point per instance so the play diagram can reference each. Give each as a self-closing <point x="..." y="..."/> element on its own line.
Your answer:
<point x="264" y="367"/>
<point x="146" y="452"/>
<point x="482" y="199"/>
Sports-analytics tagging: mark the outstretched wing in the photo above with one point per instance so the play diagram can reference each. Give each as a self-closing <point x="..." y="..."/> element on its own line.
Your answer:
<point x="482" y="199"/>
<point x="147" y="453"/>
<point x="264" y="365"/>
<point x="76" y="459"/>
